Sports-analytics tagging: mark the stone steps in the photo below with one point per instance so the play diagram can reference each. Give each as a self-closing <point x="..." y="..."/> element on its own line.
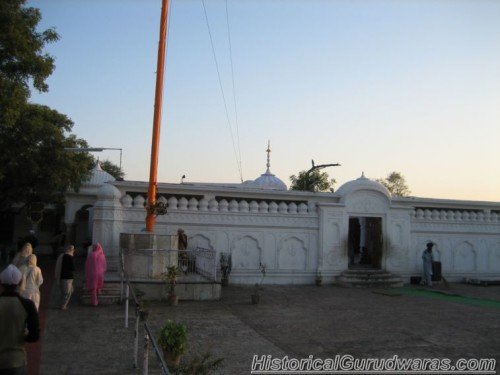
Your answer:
<point x="110" y="294"/>
<point x="368" y="278"/>
<point x="112" y="264"/>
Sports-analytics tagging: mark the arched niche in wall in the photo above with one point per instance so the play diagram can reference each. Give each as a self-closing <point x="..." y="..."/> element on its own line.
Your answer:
<point x="292" y="254"/>
<point x="246" y="253"/>
<point x="464" y="257"/>
<point x="199" y="240"/>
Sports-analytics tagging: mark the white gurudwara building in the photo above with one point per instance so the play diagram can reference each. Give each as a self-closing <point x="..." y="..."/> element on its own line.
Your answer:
<point x="297" y="234"/>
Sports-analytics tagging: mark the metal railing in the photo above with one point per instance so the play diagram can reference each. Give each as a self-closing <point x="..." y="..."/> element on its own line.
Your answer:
<point x="200" y="261"/>
<point x="206" y="264"/>
<point x="148" y="335"/>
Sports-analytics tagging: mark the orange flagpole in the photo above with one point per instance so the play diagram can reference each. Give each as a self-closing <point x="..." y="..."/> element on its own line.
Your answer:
<point x="155" y="144"/>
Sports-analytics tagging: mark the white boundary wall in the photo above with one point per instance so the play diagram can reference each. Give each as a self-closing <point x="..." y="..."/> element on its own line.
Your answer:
<point x="296" y="234"/>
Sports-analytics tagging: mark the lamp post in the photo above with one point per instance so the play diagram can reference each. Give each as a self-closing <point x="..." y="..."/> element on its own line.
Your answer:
<point x="95" y="149"/>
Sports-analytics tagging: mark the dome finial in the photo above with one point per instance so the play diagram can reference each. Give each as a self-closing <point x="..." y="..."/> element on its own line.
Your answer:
<point x="267" y="180"/>
<point x="268" y="156"/>
<point x="97" y="166"/>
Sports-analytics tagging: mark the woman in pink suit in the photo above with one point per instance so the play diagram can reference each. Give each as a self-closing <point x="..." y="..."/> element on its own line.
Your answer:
<point x="95" y="267"/>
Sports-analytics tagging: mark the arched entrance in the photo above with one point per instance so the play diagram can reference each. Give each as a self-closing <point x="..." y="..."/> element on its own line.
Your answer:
<point x="82" y="230"/>
<point x="365" y="242"/>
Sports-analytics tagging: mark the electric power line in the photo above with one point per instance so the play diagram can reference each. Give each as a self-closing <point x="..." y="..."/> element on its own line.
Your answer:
<point x="222" y="89"/>
<point x="234" y="90"/>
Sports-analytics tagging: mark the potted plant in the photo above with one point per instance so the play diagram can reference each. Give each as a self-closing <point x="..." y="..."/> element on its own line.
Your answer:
<point x="225" y="268"/>
<point x="173" y="341"/>
<point x="171" y="279"/>
<point x="258" y="286"/>
<point x="319" y="279"/>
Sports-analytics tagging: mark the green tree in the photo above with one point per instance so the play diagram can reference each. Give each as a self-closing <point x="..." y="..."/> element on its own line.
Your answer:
<point x="22" y="61"/>
<point x="396" y="184"/>
<point x="34" y="165"/>
<point x="113" y="169"/>
<point x="312" y="181"/>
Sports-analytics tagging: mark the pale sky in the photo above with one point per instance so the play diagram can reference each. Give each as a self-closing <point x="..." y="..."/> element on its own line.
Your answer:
<point x="378" y="86"/>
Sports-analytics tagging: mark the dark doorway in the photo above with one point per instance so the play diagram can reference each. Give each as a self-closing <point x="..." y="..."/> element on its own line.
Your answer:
<point x="365" y="242"/>
<point x="81" y="232"/>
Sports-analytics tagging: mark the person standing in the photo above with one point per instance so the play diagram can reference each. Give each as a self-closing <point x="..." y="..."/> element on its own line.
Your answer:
<point x="95" y="268"/>
<point x="19" y="323"/>
<point x="65" y="267"/>
<point x="21" y="258"/>
<point x="32" y="275"/>
<point x="428" y="258"/>
<point x="183" y="240"/>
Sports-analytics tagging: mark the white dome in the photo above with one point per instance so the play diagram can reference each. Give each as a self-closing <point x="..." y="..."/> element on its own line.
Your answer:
<point x="108" y="191"/>
<point x="98" y="177"/>
<point x="362" y="183"/>
<point x="269" y="181"/>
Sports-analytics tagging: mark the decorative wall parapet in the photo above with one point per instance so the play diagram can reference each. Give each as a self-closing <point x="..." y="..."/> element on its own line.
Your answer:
<point x="127" y="201"/>
<point x="139" y="201"/>
<point x="223" y="205"/>
<point x="449" y="215"/>
<point x="183" y="204"/>
<point x="219" y="218"/>
<point x="234" y="206"/>
<point x="244" y="206"/>
<point x="203" y="205"/>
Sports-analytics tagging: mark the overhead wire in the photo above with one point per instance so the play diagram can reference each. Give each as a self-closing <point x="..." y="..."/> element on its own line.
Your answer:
<point x="234" y="90"/>
<point x="222" y="90"/>
<point x="169" y="15"/>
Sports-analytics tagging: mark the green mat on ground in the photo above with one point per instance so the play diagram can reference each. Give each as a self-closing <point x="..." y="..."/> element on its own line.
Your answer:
<point x="481" y="302"/>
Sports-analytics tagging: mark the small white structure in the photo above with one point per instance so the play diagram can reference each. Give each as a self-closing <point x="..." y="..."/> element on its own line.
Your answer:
<point x="79" y="209"/>
<point x="296" y="234"/>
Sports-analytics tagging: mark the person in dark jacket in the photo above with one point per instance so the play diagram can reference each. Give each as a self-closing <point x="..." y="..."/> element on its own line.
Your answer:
<point x="65" y="267"/>
<point x="19" y="323"/>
